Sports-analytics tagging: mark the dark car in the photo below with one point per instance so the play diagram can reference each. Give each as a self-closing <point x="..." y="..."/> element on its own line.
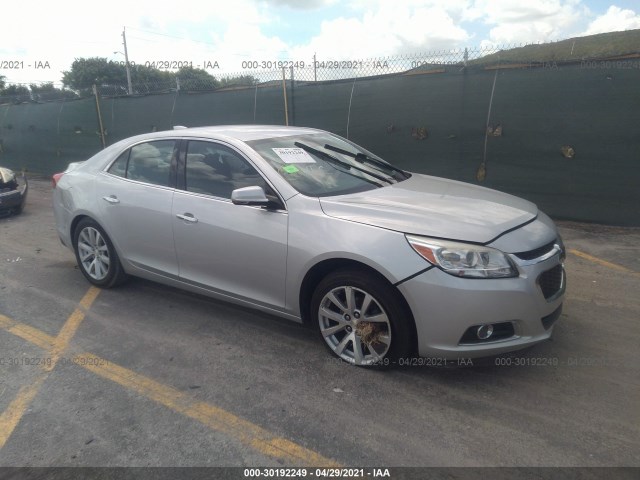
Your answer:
<point x="13" y="192"/>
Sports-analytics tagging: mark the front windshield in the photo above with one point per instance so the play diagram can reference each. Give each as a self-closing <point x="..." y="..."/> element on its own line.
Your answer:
<point x="322" y="164"/>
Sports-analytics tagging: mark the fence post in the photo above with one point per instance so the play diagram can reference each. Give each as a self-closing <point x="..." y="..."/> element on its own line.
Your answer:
<point x="293" y="99"/>
<point x="95" y="94"/>
<point x="284" y="95"/>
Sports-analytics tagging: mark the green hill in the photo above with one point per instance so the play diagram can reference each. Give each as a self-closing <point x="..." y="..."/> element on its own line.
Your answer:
<point x="603" y="45"/>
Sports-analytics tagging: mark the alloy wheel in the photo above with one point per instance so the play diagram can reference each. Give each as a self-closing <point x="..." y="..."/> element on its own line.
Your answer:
<point x="354" y="325"/>
<point x="93" y="253"/>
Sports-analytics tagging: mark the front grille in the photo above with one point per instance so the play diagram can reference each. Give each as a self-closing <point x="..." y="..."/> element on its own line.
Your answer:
<point x="537" y="253"/>
<point x="551" y="281"/>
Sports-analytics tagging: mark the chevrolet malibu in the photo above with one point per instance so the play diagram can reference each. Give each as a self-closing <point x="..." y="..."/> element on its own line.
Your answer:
<point x="384" y="264"/>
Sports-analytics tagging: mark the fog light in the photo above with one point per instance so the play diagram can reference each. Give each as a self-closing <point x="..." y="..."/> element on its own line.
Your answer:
<point x="484" y="331"/>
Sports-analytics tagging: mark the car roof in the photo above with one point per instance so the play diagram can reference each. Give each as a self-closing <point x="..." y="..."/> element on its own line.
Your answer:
<point x="239" y="133"/>
<point x="244" y="133"/>
<point x="230" y="133"/>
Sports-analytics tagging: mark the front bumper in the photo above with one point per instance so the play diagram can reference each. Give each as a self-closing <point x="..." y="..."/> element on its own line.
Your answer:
<point x="13" y="201"/>
<point x="445" y="308"/>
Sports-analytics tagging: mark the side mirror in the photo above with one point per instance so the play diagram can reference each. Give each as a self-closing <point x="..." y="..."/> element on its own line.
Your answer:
<point x="249" y="196"/>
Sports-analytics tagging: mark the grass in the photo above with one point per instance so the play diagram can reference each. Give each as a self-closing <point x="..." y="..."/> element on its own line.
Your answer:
<point x="603" y="45"/>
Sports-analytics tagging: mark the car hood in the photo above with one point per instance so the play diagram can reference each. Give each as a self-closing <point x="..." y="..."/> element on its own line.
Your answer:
<point x="434" y="207"/>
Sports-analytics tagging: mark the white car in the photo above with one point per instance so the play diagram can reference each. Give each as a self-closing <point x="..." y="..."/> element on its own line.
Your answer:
<point x="383" y="263"/>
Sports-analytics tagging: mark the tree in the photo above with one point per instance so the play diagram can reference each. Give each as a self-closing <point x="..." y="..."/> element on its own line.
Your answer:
<point x="47" y="91"/>
<point x="144" y="74"/>
<point x="196" y="79"/>
<point x="2" y="78"/>
<point x="15" y="90"/>
<point x="240" y="80"/>
<point x="86" y="72"/>
<point x="42" y="88"/>
<point x="111" y="77"/>
<point x="15" y="93"/>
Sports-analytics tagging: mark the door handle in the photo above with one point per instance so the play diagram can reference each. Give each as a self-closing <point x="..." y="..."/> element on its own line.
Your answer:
<point x="111" y="199"/>
<point x="188" y="217"/>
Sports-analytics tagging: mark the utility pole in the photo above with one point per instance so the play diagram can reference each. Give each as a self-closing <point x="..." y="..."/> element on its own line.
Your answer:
<point x="126" y="60"/>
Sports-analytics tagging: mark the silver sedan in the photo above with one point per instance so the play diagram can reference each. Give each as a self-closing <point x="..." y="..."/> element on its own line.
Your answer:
<point x="384" y="264"/>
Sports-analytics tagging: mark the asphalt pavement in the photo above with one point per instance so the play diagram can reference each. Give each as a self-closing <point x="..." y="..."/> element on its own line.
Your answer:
<point x="147" y="375"/>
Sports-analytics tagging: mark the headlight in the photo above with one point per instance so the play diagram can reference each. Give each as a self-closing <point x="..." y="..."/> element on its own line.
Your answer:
<point x="563" y="251"/>
<point x="463" y="259"/>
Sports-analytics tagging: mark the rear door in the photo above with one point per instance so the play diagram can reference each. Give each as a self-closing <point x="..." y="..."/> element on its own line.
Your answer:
<point x="135" y="194"/>
<point x="232" y="249"/>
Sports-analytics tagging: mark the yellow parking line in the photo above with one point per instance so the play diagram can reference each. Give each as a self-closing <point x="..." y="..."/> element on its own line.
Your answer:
<point x="14" y="412"/>
<point x="89" y="298"/>
<point x="604" y="263"/>
<point x="209" y="415"/>
<point x="28" y="333"/>
<point x="56" y="346"/>
<point x="213" y="417"/>
<point x="70" y="327"/>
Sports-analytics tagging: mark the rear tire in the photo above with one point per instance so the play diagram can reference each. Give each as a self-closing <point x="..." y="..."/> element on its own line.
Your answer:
<point x="96" y="256"/>
<point x="361" y="319"/>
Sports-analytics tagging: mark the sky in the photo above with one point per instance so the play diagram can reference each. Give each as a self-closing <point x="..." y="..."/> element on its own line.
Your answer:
<point x="220" y="36"/>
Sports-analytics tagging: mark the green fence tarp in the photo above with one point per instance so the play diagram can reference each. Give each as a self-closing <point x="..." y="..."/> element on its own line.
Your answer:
<point x="430" y="123"/>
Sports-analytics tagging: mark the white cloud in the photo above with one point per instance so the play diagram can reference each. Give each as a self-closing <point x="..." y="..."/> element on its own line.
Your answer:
<point x="389" y="28"/>
<point x="231" y="32"/>
<point x="301" y="4"/>
<point x="242" y="42"/>
<point x="58" y="34"/>
<point x="515" y="21"/>
<point x="615" y="20"/>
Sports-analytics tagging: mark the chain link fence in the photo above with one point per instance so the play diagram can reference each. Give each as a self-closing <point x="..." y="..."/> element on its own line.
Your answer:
<point x="273" y="72"/>
<point x="42" y="92"/>
<point x="318" y="69"/>
<point x="552" y="123"/>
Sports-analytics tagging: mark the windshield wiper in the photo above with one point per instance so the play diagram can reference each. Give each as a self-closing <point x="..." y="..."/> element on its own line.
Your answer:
<point x="361" y="157"/>
<point x="335" y="160"/>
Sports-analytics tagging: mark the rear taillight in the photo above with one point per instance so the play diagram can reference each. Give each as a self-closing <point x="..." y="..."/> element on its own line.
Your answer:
<point x="55" y="179"/>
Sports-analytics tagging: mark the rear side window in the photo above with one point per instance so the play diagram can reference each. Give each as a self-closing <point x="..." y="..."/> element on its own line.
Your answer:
<point x="148" y="162"/>
<point x="119" y="167"/>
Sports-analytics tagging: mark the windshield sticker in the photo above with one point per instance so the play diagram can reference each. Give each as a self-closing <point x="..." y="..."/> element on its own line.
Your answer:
<point x="293" y="155"/>
<point x="290" y="169"/>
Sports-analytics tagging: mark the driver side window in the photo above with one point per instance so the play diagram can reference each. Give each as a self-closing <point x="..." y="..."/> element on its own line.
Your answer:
<point x="216" y="170"/>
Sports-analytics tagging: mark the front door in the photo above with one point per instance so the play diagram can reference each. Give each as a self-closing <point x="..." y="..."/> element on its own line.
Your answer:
<point x="232" y="249"/>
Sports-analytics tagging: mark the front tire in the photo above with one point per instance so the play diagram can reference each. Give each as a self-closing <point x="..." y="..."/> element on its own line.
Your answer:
<point x="361" y="319"/>
<point x="96" y="256"/>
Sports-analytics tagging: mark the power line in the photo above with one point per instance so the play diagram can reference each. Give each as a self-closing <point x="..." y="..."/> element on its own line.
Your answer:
<point x="170" y="36"/>
<point x="211" y="44"/>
